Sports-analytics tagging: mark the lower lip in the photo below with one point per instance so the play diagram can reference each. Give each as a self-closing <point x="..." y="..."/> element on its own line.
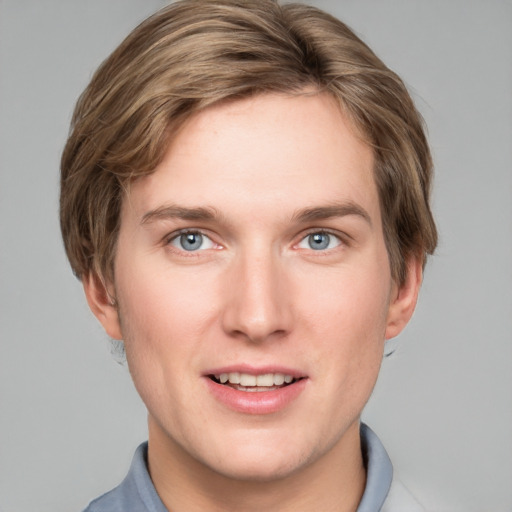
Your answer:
<point x="258" y="402"/>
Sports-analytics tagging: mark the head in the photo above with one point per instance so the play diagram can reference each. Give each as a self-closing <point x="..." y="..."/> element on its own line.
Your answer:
<point x="246" y="190"/>
<point x="195" y="54"/>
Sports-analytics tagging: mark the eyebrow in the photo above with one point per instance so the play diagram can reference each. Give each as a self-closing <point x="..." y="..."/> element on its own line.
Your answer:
<point x="178" y="212"/>
<point x="330" y="211"/>
<point x="304" y="215"/>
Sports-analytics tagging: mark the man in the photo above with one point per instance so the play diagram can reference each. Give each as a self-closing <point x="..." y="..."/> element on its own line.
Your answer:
<point x="245" y="197"/>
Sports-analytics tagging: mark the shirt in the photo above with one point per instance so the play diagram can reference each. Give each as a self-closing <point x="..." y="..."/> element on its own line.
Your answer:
<point x="136" y="493"/>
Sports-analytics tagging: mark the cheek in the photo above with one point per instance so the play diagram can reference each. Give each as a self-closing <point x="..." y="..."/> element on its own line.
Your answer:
<point x="146" y="311"/>
<point x="155" y="350"/>
<point x="164" y="317"/>
<point x="156" y="298"/>
<point x="348" y="322"/>
<point x="353" y="302"/>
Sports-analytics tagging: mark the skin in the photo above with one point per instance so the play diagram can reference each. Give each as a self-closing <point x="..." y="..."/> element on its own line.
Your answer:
<point x="256" y="293"/>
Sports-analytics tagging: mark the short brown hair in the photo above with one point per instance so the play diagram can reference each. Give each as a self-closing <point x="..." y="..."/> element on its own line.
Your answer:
<point x="195" y="53"/>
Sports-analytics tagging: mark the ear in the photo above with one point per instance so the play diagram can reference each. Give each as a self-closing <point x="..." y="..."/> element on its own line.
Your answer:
<point x="102" y="304"/>
<point x="404" y="298"/>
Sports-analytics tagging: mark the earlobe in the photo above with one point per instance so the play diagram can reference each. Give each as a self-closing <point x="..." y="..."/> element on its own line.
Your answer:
<point x="102" y="304"/>
<point x="404" y="299"/>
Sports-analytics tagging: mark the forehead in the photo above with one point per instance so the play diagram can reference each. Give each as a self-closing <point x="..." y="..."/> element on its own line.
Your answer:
<point x="270" y="153"/>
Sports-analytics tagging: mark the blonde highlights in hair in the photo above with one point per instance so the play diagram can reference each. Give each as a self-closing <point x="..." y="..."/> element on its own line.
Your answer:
<point x="196" y="53"/>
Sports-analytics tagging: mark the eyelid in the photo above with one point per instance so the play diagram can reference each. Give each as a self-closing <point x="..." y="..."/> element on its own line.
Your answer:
<point x="343" y="238"/>
<point x="168" y="239"/>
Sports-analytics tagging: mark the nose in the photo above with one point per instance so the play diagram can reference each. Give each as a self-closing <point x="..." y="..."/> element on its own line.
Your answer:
<point x="259" y="304"/>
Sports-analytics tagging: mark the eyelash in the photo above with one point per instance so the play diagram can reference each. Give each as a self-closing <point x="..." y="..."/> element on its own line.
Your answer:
<point x="177" y="235"/>
<point x="341" y="240"/>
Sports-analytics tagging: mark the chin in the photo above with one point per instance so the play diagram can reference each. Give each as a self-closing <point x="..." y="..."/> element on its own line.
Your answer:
<point x="259" y="461"/>
<point x="264" y="469"/>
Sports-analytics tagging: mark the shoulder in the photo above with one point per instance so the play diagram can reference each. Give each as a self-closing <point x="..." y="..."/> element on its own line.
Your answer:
<point x="399" y="499"/>
<point x="108" y="502"/>
<point x="124" y="498"/>
<point x="135" y="493"/>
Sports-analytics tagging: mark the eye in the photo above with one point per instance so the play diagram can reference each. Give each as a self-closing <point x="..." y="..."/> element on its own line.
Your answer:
<point x="319" y="241"/>
<point x="191" y="241"/>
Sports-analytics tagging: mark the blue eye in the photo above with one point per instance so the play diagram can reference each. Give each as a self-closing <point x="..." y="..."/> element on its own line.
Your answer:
<point x="319" y="241"/>
<point x="192" y="241"/>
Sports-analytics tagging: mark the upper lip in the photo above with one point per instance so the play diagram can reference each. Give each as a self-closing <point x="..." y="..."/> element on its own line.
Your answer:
<point x="255" y="370"/>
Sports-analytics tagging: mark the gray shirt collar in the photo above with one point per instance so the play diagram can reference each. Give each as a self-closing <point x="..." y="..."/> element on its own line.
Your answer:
<point x="379" y="471"/>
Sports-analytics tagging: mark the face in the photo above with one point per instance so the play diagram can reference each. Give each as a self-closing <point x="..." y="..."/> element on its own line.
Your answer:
<point x="254" y="287"/>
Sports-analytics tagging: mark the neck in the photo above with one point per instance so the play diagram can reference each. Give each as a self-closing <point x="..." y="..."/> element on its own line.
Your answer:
<point x="335" y="481"/>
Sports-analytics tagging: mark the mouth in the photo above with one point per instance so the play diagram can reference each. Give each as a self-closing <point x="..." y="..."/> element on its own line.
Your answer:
<point x="248" y="390"/>
<point x="254" y="383"/>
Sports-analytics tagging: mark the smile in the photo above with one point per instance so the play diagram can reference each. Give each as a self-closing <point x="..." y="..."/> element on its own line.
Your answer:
<point x="254" y="383"/>
<point x="249" y="391"/>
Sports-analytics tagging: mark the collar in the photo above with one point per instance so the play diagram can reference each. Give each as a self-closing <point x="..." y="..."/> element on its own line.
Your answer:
<point x="379" y="471"/>
<point x="137" y="491"/>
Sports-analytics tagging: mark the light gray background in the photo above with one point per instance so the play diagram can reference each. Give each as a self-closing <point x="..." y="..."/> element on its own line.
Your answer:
<point x="70" y="418"/>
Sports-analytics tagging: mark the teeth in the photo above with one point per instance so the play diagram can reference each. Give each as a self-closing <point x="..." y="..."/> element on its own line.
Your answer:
<point x="265" y="380"/>
<point x="279" y="379"/>
<point x="234" y="378"/>
<point x="247" y="380"/>
<point x="244" y="379"/>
